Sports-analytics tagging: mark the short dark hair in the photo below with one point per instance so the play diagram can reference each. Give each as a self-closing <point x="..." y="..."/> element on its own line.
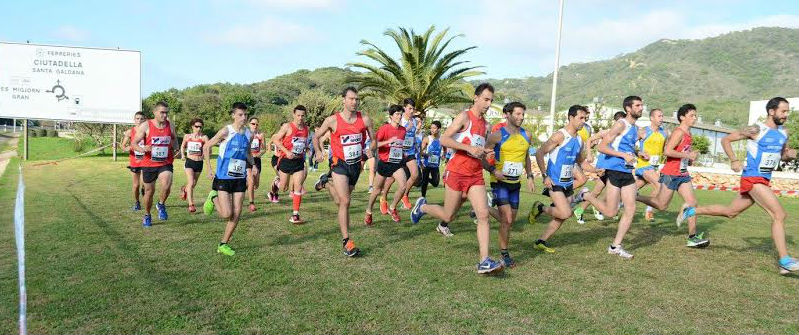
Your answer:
<point x="139" y="113"/>
<point x="509" y="107"/>
<point x="684" y="109"/>
<point x="238" y="105"/>
<point x="253" y="118"/>
<point x="299" y="108"/>
<point x="628" y="101"/>
<point x="774" y="103"/>
<point x="161" y="103"/>
<point x="436" y="123"/>
<point x="655" y="110"/>
<point x="408" y="101"/>
<point x="619" y="115"/>
<point x="576" y="108"/>
<point x="349" y="89"/>
<point x="482" y="87"/>
<point x="195" y="120"/>
<point x="394" y="109"/>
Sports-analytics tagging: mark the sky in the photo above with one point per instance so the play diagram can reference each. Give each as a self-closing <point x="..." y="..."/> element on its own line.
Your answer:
<point x="186" y="43"/>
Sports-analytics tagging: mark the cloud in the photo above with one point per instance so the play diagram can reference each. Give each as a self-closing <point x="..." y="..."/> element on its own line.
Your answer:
<point x="270" y="32"/>
<point x="71" y="33"/>
<point x="298" y="4"/>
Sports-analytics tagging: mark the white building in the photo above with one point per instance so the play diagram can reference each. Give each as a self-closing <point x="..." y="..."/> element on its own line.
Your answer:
<point x="757" y="109"/>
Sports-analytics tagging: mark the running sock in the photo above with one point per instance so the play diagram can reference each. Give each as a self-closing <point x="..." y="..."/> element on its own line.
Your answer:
<point x="504" y="252"/>
<point x="344" y="241"/>
<point x="443" y="224"/>
<point x="691" y="236"/>
<point x="296" y="200"/>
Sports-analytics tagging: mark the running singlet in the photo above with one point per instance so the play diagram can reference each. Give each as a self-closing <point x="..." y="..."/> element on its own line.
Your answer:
<point x="474" y="135"/>
<point x="433" y="151"/>
<point x="652" y="144"/>
<point x="393" y="152"/>
<point x="295" y="141"/>
<point x="625" y="142"/>
<point x="511" y="153"/>
<point x="347" y="141"/>
<point x="135" y="156"/>
<point x="409" y="142"/>
<point x="255" y="145"/>
<point x="763" y="154"/>
<point x="562" y="159"/>
<point x="194" y="145"/>
<point x="679" y="166"/>
<point x="232" y="159"/>
<point x="160" y="142"/>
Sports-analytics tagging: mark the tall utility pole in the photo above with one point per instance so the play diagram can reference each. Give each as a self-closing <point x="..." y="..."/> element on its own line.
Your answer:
<point x="555" y="74"/>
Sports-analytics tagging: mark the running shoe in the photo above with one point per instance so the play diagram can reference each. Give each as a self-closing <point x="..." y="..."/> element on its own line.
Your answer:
<point x="416" y="213"/>
<point x="161" y="211"/>
<point x="295" y="219"/>
<point x="698" y="241"/>
<point x="394" y="215"/>
<point x="406" y="203"/>
<point x="136" y="206"/>
<point x="535" y="212"/>
<point x="788" y="264"/>
<point x="225" y="249"/>
<point x="208" y="206"/>
<point x="618" y="250"/>
<point x="597" y="214"/>
<point x="444" y="230"/>
<point x="183" y="194"/>
<point x="147" y="221"/>
<point x="320" y="183"/>
<point x="367" y="219"/>
<point x="383" y="206"/>
<point x="508" y="262"/>
<point x="580" y="197"/>
<point x="488" y="265"/>
<point x="578" y="214"/>
<point x="252" y="207"/>
<point x="649" y="215"/>
<point x="685" y="212"/>
<point x="543" y="246"/>
<point x="350" y="250"/>
<point x="371" y="188"/>
<point x="192" y="208"/>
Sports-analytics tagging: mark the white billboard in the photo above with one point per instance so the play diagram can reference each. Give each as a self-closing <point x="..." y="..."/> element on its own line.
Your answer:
<point x="69" y="83"/>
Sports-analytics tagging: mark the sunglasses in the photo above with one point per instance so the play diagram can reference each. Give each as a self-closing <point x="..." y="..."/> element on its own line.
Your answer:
<point x="196" y="126"/>
<point x="254" y="124"/>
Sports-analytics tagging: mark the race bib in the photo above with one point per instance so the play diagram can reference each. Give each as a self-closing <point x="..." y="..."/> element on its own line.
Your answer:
<point x="159" y="154"/>
<point x="298" y="145"/>
<point x="566" y="173"/>
<point x="433" y="160"/>
<point x="236" y="168"/>
<point x="478" y="141"/>
<point x="194" y="148"/>
<point x="684" y="162"/>
<point x="352" y="153"/>
<point x="654" y="160"/>
<point x="395" y="154"/>
<point x="255" y="145"/>
<point x="627" y="165"/>
<point x="512" y="170"/>
<point x="769" y="161"/>
<point x="139" y="154"/>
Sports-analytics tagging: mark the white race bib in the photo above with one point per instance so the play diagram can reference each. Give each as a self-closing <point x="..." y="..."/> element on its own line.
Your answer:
<point x="433" y="159"/>
<point x="408" y="142"/>
<point x="654" y="160"/>
<point x="298" y="145"/>
<point x="194" y="148"/>
<point x="684" y="162"/>
<point x="512" y="169"/>
<point x="478" y="141"/>
<point x="627" y="165"/>
<point x="159" y="154"/>
<point x="566" y="173"/>
<point x="255" y="144"/>
<point x="236" y="168"/>
<point x="769" y="161"/>
<point x="395" y="154"/>
<point x="139" y="154"/>
<point x="352" y="153"/>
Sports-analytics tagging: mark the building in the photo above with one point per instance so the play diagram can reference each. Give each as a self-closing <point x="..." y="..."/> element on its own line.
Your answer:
<point x="757" y="109"/>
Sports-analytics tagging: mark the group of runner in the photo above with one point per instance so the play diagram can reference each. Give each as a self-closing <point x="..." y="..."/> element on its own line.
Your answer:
<point x="628" y="159"/>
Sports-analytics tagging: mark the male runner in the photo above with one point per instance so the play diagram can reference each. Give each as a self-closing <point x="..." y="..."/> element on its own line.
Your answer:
<point x="431" y="157"/>
<point x="160" y="146"/>
<point x="135" y="158"/>
<point x="389" y="162"/>
<point x="257" y="147"/>
<point x="650" y="153"/>
<point x="290" y="142"/>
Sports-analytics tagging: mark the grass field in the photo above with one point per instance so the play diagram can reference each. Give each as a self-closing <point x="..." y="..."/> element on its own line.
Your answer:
<point x="92" y="268"/>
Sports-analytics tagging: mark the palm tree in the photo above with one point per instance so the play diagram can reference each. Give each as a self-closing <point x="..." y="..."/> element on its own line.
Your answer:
<point x="424" y="72"/>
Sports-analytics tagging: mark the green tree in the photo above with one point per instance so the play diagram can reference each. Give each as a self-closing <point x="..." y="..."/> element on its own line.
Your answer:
<point x="702" y="144"/>
<point x="425" y="71"/>
<point x="319" y="104"/>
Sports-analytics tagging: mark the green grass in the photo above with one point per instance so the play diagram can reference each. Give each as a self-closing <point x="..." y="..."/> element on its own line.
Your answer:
<point x="54" y="148"/>
<point x="92" y="268"/>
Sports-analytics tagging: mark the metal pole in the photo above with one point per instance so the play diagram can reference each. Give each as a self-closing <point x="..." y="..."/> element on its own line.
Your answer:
<point x="15" y="126"/>
<point x="114" y="150"/>
<point x="555" y="73"/>
<point x="25" y="139"/>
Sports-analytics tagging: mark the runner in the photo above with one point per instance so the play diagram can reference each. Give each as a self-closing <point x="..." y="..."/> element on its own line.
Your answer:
<point x="766" y="146"/>
<point x="290" y="142"/>
<point x="676" y="176"/>
<point x="510" y="144"/>
<point x="618" y="147"/>
<point x="599" y="184"/>
<point x="565" y="150"/>
<point x="257" y="147"/>
<point x="230" y="179"/>
<point x="193" y="145"/>
<point x="411" y="167"/>
<point x="389" y="143"/>
<point x="431" y="152"/>
<point x="650" y="152"/>
<point x="160" y="146"/>
<point x="135" y="158"/>
<point x="347" y="130"/>
<point x="464" y="175"/>
<point x="370" y="164"/>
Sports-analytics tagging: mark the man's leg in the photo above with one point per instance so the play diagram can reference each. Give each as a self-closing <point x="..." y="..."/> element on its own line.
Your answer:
<point x="610" y="206"/>
<point x="764" y="196"/>
<point x="425" y="180"/>
<point x="342" y="190"/>
<point x="165" y="182"/>
<point x="560" y="213"/>
<point x="414" y="176"/>
<point x="376" y="192"/>
<point x="737" y="206"/>
<point x="402" y="185"/>
<point x="579" y="178"/>
<point x="149" y="191"/>
<point x="628" y="199"/>
<point x="136" y="185"/>
<point x="660" y="201"/>
<point x="686" y="191"/>
<point x="297" y="182"/>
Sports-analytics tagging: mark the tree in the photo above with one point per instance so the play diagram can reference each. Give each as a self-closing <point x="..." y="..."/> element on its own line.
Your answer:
<point x="423" y="72"/>
<point x="318" y="103"/>
<point x="702" y="144"/>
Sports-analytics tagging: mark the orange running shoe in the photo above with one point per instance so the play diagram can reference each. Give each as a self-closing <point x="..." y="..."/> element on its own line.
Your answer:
<point x="394" y="215"/>
<point x="350" y="250"/>
<point x="383" y="206"/>
<point x="406" y="202"/>
<point x="367" y="219"/>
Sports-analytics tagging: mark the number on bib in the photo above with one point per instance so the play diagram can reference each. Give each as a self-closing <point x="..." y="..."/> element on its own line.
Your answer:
<point x="298" y="145"/>
<point x="654" y="160"/>
<point x="194" y="148"/>
<point x="352" y="153"/>
<point x="769" y="161"/>
<point x="408" y="142"/>
<point x="512" y="170"/>
<point x="395" y="155"/>
<point x="255" y="144"/>
<point x="236" y="168"/>
<point x="433" y="159"/>
<point x="566" y="173"/>
<point x="159" y="154"/>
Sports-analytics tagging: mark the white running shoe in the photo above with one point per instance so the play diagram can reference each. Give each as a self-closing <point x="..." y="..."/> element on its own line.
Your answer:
<point x="620" y="252"/>
<point x="444" y="231"/>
